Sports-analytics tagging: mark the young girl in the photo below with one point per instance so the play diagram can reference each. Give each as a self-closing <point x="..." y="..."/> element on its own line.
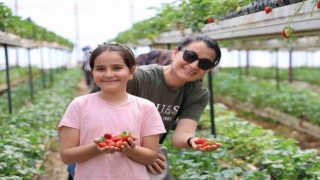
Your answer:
<point x="111" y="110"/>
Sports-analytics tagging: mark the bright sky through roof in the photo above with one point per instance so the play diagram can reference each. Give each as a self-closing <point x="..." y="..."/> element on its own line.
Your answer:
<point x="101" y="20"/>
<point x="98" y="20"/>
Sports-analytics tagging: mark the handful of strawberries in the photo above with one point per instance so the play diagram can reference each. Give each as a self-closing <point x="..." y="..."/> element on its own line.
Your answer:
<point x="115" y="141"/>
<point x="203" y="142"/>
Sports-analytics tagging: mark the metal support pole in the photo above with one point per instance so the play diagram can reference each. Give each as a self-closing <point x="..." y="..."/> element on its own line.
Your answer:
<point x="213" y="128"/>
<point x="239" y="65"/>
<point x="247" y="62"/>
<point x="51" y="67"/>
<point x="43" y="76"/>
<point x="8" y="79"/>
<point x="277" y="70"/>
<point x="290" y="75"/>
<point x="30" y="75"/>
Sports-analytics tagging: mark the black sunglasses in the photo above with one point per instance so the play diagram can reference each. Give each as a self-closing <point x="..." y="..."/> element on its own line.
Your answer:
<point x="191" y="56"/>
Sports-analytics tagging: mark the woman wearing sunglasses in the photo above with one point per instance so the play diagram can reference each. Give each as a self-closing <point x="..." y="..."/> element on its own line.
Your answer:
<point x="178" y="89"/>
<point x="165" y="86"/>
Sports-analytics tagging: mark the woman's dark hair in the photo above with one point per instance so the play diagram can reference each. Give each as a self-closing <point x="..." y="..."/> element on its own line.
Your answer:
<point x="123" y="50"/>
<point x="211" y="43"/>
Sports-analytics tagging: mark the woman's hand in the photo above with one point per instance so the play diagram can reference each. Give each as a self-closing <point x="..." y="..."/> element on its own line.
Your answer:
<point x="204" y="145"/>
<point x="159" y="166"/>
<point x="208" y="148"/>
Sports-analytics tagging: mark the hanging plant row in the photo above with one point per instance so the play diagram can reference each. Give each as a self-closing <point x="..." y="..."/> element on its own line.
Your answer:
<point x="195" y="14"/>
<point x="27" y="29"/>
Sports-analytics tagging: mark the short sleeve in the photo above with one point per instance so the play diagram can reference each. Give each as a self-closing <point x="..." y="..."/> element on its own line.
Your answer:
<point x="197" y="99"/>
<point x="72" y="115"/>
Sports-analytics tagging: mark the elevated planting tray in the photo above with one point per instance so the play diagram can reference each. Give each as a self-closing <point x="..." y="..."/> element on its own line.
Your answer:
<point x="9" y="39"/>
<point x="254" y="26"/>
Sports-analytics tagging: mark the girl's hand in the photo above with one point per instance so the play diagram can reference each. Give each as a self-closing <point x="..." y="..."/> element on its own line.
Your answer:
<point x="102" y="147"/>
<point x="131" y="142"/>
<point x="128" y="145"/>
<point x="120" y="143"/>
<point x="108" y="149"/>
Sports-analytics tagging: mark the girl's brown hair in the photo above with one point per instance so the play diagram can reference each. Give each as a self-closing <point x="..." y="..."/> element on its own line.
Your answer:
<point x="123" y="50"/>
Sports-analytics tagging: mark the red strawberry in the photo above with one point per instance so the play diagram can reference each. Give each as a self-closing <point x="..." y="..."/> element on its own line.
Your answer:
<point x="107" y="136"/>
<point x="267" y="10"/>
<point x="124" y="135"/>
<point x="210" y="20"/>
<point x="318" y="4"/>
<point x="284" y="34"/>
<point x="107" y="141"/>
<point x="200" y="140"/>
<point x="204" y="144"/>
<point x="102" y="144"/>
<point x="287" y="32"/>
<point x="111" y="143"/>
<point x="119" y="143"/>
<point x="116" y="138"/>
<point x="124" y="138"/>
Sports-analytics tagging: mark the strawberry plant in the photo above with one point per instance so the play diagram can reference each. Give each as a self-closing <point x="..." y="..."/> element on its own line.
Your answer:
<point x="180" y="15"/>
<point x="5" y="16"/>
<point x="249" y="152"/>
<point x="287" y="31"/>
<point x="24" y="134"/>
<point x="306" y="74"/>
<point x="17" y="73"/>
<point x="27" y="29"/>
<point x="290" y="99"/>
<point x="20" y="87"/>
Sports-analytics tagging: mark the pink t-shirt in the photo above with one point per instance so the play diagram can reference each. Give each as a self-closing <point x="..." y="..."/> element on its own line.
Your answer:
<point x="94" y="117"/>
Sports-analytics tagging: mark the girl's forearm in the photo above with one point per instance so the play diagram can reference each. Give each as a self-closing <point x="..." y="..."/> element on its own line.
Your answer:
<point x="79" y="154"/>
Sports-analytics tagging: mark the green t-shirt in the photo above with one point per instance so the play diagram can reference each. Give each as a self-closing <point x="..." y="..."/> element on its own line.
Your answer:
<point x="149" y="83"/>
